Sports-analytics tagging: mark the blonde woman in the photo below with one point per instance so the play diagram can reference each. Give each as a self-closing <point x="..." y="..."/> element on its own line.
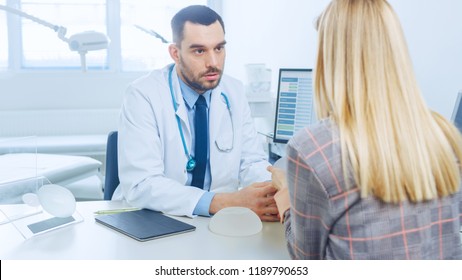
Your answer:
<point x="378" y="177"/>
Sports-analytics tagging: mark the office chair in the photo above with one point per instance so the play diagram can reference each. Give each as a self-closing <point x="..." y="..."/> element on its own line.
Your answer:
<point x="111" y="180"/>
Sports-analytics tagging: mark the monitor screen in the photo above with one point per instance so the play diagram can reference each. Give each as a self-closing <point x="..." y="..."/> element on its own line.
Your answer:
<point x="294" y="106"/>
<point x="457" y="113"/>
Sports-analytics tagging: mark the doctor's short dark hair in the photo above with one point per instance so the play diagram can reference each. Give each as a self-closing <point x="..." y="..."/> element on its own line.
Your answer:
<point x="198" y="14"/>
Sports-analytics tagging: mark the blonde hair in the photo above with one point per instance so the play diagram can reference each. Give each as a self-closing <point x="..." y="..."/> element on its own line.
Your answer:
<point x="397" y="148"/>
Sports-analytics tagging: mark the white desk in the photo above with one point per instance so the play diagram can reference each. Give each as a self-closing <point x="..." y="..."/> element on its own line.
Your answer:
<point x="90" y="240"/>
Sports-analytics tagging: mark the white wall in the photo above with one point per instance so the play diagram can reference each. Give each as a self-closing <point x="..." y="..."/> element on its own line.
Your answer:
<point x="433" y="30"/>
<point x="59" y="103"/>
<point x="281" y="34"/>
<point x="278" y="33"/>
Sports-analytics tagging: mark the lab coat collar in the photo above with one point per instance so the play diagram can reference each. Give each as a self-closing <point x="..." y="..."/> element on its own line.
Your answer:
<point x="218" y="110"/>
<point x="181" y="110"/>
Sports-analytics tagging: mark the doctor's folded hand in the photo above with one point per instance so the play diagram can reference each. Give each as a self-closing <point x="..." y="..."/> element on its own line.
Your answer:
<point x="259" y="197"/>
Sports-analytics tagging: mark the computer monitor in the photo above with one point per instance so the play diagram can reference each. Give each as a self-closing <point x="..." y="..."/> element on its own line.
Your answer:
<point x="457" y="113"/>
<point x="294" y="106"/>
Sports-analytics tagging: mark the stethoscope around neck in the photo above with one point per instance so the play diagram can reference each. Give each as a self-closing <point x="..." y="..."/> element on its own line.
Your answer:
<point x="191" y="163"/>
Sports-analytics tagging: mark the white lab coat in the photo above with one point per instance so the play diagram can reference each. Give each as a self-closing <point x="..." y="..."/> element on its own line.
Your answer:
<point x="152" y="162"/>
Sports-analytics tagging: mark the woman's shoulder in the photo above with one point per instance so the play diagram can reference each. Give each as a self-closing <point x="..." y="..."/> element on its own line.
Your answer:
<point x="316" y="135"/>
<point x="318" y="147"/>
<point x="318" y="144"/>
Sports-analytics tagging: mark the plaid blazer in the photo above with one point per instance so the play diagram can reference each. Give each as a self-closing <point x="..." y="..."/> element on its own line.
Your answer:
<point x="328" y="221"/>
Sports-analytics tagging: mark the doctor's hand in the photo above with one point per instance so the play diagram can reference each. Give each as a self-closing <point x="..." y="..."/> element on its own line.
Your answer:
<point x="259" y="197"/>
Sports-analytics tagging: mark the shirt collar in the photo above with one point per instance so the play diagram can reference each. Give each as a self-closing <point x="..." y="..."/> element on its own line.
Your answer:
<point x="190" y="96"/>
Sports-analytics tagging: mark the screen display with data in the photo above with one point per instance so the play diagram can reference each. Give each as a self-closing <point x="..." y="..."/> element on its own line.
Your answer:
<point x="294" y="107"/>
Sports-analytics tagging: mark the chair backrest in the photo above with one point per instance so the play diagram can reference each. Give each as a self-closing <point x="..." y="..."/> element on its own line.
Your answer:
<point x="111" y="180"/>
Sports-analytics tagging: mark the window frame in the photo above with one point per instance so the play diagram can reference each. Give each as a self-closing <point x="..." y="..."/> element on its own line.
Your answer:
<point x="114" y="51"/>
<point x="5" y="26"/>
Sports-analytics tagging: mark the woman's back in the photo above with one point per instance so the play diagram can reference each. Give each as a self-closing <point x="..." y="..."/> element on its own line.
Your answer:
<point x="330" y="220"/>
<point x="399" y="197"/>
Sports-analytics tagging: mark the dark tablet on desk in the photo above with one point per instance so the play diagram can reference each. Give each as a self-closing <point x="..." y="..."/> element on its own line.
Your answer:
<point x="144" y="224"/>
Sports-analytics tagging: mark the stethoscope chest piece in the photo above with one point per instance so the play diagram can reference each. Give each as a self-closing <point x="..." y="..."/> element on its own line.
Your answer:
<point x="190" y="165"/>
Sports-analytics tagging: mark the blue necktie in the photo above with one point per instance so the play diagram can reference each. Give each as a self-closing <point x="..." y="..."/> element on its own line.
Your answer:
<point x="200" y="150"/>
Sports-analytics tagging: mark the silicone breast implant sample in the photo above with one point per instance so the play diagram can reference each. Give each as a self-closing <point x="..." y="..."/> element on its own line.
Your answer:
<point x="57" y="200"/>
<point x="235" y="221"/>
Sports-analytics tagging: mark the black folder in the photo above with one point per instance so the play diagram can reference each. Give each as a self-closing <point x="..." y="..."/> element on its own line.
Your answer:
<point x="144" y="224"/>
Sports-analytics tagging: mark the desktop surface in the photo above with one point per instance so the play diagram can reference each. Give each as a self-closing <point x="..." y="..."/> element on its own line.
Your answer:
<point x="90" y="240"/>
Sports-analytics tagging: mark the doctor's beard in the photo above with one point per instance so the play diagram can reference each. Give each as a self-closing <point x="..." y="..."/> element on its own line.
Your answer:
<point x="194" y="82"/>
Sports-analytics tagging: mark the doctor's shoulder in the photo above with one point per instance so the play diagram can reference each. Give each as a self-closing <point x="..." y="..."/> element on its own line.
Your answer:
<point x="148" y="84"/>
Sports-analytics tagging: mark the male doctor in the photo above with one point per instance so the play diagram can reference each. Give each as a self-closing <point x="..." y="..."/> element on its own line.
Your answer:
<point x="187" y="144"/>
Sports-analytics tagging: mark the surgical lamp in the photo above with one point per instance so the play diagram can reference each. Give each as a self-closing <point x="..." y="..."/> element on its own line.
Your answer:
<point x="81" y="42"/>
